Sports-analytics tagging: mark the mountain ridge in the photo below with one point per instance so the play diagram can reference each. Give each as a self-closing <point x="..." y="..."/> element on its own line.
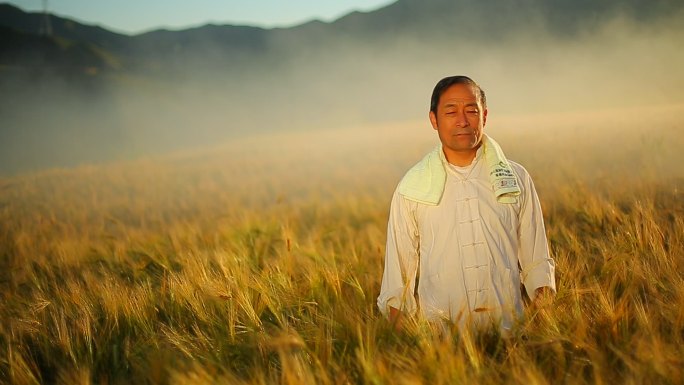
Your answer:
<point x="422" y="21"/>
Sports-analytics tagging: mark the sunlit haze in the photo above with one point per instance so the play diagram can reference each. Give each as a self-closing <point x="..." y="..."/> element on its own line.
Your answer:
<point x="209" y="203"/>
<point x="160" y="92"/>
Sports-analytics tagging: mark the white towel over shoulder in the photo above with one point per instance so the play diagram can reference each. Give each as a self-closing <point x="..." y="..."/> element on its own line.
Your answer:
<point x="424" y="182"/>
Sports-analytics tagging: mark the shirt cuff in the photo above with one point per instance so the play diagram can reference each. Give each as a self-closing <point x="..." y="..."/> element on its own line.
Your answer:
<point x="408" y="306"/>
<point x="542" y="276"/>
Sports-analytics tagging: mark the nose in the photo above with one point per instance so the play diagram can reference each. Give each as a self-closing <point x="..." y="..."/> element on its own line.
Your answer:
<point x="461" y="120"/>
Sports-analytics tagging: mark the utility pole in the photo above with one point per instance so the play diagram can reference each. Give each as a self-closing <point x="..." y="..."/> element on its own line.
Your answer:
<point x="46" y="27"/>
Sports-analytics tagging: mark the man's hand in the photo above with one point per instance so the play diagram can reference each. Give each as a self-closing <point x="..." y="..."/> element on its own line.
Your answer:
<point x="396" y="318"/>
<point x="543" y="297"/>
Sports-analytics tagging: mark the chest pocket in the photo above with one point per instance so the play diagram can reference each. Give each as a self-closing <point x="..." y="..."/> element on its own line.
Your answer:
<point x="508" y="213"/>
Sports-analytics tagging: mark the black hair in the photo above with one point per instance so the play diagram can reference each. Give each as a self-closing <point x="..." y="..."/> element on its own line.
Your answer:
<point x="449" y="81"/>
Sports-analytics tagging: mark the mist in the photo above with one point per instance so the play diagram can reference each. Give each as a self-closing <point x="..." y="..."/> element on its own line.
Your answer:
<point x="344" y="87"/>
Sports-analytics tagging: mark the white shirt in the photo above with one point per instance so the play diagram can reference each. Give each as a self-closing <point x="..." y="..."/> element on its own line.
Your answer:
<point x="472" y="251"/>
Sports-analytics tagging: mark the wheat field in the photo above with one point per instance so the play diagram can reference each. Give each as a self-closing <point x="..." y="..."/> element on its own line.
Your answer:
<point x="259" y="262"/>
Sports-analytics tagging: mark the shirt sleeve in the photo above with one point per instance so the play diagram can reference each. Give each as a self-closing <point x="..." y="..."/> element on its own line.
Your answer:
<point x="401" y="259"/>
<point x="538" y="268"/>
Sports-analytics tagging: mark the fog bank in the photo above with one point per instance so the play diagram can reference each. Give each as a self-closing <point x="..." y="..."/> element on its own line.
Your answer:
<point x="56" y="121"/>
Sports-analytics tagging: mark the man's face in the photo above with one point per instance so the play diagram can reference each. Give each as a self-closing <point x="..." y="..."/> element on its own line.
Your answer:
<point x="459" y="120"/>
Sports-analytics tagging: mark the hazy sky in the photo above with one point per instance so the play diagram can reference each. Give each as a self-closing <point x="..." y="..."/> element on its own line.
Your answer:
<point x="134" y="16"/>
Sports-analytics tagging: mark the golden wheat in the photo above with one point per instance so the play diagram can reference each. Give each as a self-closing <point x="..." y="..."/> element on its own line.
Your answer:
<point x="260" y="262"/>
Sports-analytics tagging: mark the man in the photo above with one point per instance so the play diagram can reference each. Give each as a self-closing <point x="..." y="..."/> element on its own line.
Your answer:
<point x="469" y="221"/>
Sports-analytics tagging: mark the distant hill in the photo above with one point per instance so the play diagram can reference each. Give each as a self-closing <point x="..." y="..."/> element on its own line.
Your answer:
<point x="30" y="52"/>
<point x="426" y="21"/>
<point x="32" y="22"/>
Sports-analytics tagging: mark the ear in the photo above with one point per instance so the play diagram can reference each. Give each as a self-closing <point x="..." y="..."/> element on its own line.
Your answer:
<point x="484" y="117"/>
<point x="433" y="120"/>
